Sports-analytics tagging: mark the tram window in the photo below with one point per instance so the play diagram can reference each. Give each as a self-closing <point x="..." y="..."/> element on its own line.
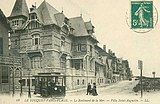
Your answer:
<point x="28" y="82"/>
<point x="33" y="82"/>
<point x="59" y="82"/>
<point x="23" y="82"/>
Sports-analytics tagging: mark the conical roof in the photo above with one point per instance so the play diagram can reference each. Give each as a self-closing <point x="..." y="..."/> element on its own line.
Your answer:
<point x="20" y="8"/>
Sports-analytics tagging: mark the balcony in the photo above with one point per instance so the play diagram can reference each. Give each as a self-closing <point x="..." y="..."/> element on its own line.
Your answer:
<point x="36" y="49"/>
<point x="6" y="60"/>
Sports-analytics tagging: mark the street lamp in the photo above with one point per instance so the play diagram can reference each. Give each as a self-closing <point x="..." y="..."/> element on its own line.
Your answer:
<point x="154" y="79"/>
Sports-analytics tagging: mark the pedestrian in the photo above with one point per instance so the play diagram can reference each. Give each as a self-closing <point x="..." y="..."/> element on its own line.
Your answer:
<point x="88" y="89"/>
<point x="94" y="90"/>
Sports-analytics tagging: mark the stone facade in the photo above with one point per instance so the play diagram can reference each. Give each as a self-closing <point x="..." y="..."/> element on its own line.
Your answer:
<point x="4" y="52"/>
<point x="49" y="42"/>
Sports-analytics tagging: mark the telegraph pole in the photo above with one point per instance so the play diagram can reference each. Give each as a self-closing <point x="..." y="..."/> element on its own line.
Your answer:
<point x="140" y="66"/>
<point x="154" y="79"/>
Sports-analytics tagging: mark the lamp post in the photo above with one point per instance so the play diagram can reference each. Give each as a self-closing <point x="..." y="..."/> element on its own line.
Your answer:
<point x="29" y="85"/>
<point x="154" y="80"/>
<point x="21" y="81"/>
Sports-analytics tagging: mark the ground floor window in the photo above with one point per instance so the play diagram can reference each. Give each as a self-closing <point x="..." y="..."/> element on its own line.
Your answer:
<point x="5" y="75"/>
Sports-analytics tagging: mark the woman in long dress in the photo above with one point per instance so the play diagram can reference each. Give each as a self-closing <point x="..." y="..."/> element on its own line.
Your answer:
<point x="94" y="90"/>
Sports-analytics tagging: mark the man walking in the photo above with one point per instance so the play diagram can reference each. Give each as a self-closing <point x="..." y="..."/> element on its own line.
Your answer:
<point x="88" y="89"/>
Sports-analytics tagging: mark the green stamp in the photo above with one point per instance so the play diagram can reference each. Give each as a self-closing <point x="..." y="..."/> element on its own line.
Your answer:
<point x="141" y="14"/>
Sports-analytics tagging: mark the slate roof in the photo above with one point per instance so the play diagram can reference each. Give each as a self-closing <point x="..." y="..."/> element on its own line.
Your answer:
<point x="4" y="20"/>
<point x="101" y="51"/>
<point x="46" y="13"/>
<point x="79" y="26"/>
<point x="20" y="8"/>
<point x="60" y="17"/>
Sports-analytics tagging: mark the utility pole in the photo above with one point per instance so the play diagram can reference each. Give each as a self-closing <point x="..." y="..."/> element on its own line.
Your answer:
<point x="140" y="66"/>
<point x="154" y="79"/>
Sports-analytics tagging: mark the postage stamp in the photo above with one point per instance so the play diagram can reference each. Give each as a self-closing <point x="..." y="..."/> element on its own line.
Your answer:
<point x="142" y="15"/>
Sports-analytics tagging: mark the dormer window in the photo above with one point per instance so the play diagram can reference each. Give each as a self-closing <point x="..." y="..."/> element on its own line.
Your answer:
<point x="32" y="16"/>
<point x="33" y="22"/>
<point x="15" y="23"/>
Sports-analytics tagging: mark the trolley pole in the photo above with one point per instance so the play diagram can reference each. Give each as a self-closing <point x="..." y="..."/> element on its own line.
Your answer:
<point x="140" y="66"/>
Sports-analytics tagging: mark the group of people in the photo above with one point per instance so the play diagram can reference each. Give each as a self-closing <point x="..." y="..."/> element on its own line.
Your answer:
<point x="92" y="90"/>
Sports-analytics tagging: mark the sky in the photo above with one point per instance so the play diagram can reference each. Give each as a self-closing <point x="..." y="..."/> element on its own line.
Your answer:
<point x="111" y="29"/>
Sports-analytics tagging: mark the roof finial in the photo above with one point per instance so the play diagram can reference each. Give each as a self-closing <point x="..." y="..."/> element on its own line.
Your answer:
<point x="62" y="9"/>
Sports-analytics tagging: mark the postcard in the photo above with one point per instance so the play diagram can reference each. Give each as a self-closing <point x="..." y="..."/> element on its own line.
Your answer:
<point x="79" y="52"/>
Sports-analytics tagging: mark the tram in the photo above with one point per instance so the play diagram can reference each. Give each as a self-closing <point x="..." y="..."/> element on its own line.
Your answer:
<point x="50" y="84"/>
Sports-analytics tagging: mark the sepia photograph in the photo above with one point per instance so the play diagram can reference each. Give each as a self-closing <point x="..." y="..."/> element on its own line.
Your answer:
<point x="79" y="52"/>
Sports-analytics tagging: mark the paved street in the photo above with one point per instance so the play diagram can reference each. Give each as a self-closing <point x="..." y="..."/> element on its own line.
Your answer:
<point x="120" y="88"/>
<point x="118" y="92"/>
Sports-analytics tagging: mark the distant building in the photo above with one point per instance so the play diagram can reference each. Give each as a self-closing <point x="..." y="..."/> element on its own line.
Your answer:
<point x="127" y="73"/>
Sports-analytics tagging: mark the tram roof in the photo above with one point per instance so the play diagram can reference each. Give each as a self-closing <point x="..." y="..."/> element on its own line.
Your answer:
<point x="49" y="75"/>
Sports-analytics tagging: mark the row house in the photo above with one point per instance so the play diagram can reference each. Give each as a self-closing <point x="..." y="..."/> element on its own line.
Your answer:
<point x="8" y="64"/>
<point x="4" y="52"/>
<point x="115" y="69"/>
<point x="49" y="42"/>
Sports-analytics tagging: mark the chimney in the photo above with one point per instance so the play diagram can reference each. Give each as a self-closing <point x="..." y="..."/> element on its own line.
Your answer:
<point x="109" y="50"/>
<point x="104" y="47"/>
<point x="32" y="8"/>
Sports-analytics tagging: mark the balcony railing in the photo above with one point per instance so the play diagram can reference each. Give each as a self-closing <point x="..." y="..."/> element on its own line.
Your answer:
<point x="34" y="48"/>
<point x="6" y="60"/>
